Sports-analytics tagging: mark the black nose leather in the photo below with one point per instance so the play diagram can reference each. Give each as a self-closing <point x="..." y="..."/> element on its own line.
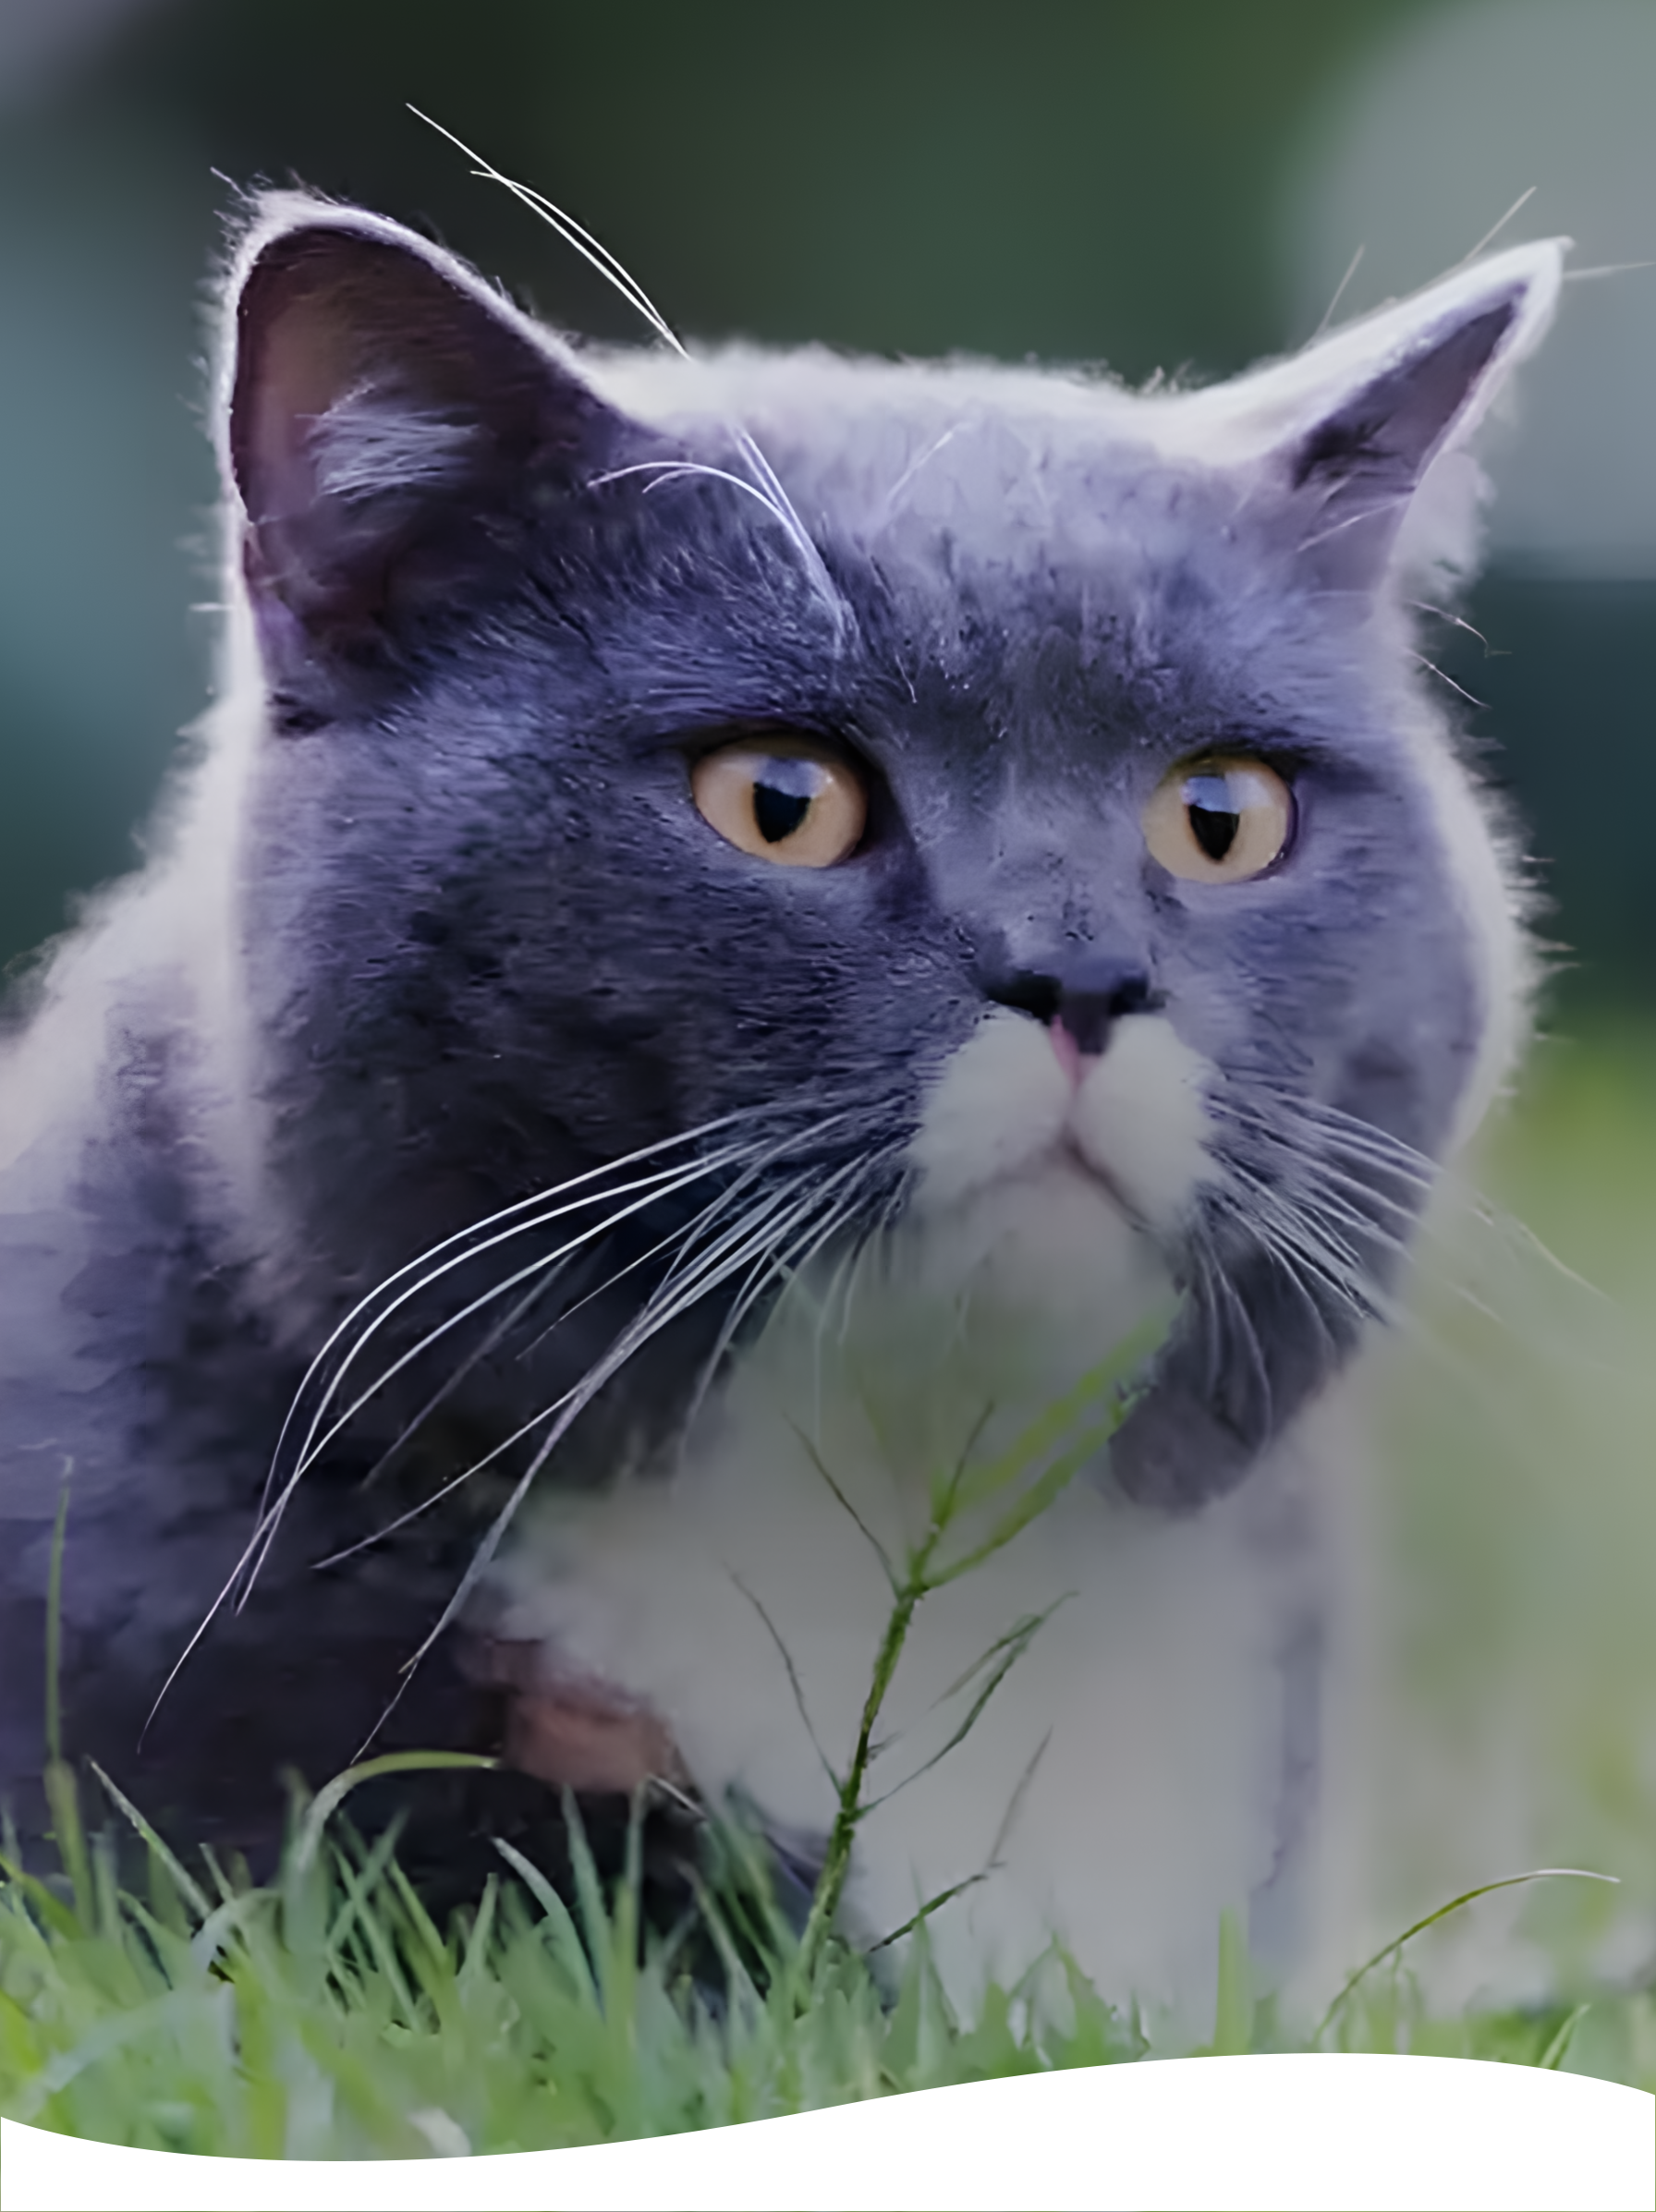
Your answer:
<point x="1088" y="996"/>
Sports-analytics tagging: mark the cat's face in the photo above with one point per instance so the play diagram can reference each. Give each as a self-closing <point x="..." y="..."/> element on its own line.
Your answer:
<point x="1023" y="773"/>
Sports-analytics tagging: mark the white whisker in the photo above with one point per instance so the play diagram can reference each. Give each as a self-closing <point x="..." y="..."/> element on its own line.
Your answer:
<point x="914" y="468"/>
<point x="599" y="257"/>
<point x="475" y="1229"/>
<point x="1285" y="1233"/>
<point x="1297" y="1125"/>
<point x="1293" y="1237"/>
<point x="783" y="1262"/>
<point x="1318" y="1177"/>
<point x="572" y="233"/>
<point x="1337" y="1169"/>
<point x="682" y="1236"/>
<point x="655" y="1316"/>
<point x="687" y="1279"/>
<point x="1352" y="267"/>
<point x="315" y="1444"/>
<point x="1265" y="1202"/>
<point x="1459" y="689"/>
<point x="746" y="1229"/>
<point x="666" y="472"/>
<point x="491" y="1342"/>
<point x="1394" y="1149"/>
<point x="1205" y="1264"/>
<point x="1294" y="1264"/>
<point x="1495" y="229"/>
<point x="1333" y="1216"/>
<point x="1238" y="1306"/>
<point x="846" y="1273"/>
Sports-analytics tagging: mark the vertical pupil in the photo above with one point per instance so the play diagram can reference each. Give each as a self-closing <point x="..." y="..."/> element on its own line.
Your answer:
<point x="1213" y="815"/>
<point x="782" y="792"/>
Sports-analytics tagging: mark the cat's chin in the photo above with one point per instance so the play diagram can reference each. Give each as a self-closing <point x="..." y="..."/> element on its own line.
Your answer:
<point x="1054" y="1234"/>
<point x="1018" y="1289"/>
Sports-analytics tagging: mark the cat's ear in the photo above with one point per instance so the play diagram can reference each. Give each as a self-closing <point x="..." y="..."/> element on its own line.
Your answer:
<point x="1347" y="430"/>
<point x="390" y="428"/>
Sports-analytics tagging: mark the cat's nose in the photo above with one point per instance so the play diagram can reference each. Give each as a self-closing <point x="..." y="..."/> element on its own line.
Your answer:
<point x="1084" y="998"/>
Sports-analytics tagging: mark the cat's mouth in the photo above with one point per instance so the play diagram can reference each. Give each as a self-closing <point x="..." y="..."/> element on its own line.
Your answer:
<point x="1019" y="1095"/>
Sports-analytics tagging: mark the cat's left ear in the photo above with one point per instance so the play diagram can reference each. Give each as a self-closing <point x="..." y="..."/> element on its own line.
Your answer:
<point x="1347" y="430"/>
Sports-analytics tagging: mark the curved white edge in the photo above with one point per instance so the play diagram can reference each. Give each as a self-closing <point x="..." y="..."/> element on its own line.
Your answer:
<point x="1329" y="2132"/>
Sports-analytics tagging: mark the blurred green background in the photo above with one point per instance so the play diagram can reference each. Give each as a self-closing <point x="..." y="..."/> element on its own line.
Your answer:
<point x="1175" y="184"/>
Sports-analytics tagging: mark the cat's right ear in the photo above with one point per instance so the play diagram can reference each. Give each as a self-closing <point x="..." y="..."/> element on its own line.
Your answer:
<point x="391" y="430"/>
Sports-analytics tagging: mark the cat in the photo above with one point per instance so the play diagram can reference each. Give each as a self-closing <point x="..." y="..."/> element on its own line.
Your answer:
<point x="740" y="924"/>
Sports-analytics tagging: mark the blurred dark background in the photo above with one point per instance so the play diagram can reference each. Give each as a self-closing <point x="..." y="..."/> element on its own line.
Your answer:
<point x="1174" y="184"/>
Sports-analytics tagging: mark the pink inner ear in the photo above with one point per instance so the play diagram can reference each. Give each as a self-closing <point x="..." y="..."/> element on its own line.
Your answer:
<point x="320" y="310"/>
<point x="305" y="365"/>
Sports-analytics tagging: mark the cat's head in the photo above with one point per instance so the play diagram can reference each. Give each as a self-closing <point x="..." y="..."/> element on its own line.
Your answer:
<point x="943" y="771"/>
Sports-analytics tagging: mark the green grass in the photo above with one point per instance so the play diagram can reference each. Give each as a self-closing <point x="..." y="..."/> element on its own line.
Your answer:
<point x="324" y="2015"/>
<point x="1516" y="1510"/>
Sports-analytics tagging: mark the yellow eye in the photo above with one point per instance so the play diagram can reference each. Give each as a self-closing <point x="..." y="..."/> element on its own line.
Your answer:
<point x="1219" y="821"/>
<point x="787" y="799"/>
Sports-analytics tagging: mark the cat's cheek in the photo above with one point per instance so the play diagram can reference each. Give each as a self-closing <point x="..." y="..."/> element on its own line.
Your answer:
<point x="1141" y="1119"/>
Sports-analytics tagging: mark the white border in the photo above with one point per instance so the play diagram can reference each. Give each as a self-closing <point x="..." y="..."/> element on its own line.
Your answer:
<point x="1327" y="2131"/>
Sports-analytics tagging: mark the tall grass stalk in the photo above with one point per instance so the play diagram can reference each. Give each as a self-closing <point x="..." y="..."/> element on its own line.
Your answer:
<point x="975" y="1509"/>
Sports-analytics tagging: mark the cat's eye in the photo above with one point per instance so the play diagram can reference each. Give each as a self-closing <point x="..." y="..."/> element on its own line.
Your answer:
<point x="1219" y="821"/>
<point x="787" y="799"/>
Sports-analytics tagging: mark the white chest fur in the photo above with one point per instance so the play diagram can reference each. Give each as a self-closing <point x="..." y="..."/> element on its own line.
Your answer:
<point x="1122" y="1786"/>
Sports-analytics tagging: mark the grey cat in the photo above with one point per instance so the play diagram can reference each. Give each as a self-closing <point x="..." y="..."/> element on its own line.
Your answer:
<point x="674" y="829"/>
